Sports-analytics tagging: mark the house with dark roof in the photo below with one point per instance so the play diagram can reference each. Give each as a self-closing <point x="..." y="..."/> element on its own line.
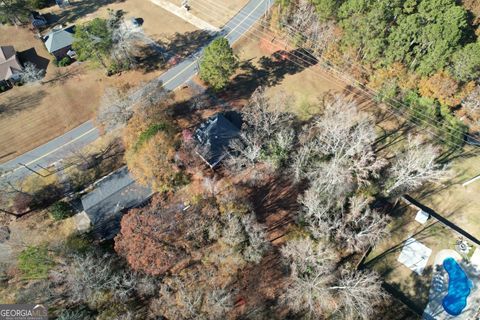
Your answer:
<point x="104" y="206"/>
<point x="59" y="41"/>
<point x="214" y="136"/>
<point x="10" y="65"/>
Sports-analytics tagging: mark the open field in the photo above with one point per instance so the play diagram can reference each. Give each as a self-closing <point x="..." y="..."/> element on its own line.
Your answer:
<point x="157" y="23"/>
<point x="33" y="115"/>
<point x="305" y="86"/>
<point x="215" y="12"/>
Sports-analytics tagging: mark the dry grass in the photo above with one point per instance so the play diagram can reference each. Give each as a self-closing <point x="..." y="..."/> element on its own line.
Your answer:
<point x="36" y="114"/>
<point x="457" y="203"/>
<point x="157" y="23"/>
<point x="305" y="87"/>
<point x="383" y="257"/>
<point x="215" y="12"/>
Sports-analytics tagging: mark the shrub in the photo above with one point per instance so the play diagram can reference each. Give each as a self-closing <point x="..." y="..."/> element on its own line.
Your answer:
<point x="35" y="262"/>
<point x="149" y="133"/>
<point x="60" y="210"/>
<point x="76" y="244"/>
<point x="64" y="62"/>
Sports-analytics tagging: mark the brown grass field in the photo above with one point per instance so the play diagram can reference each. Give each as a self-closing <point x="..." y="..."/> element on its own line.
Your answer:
<point x="215" y="12"/>
<point x="32" y="115"/>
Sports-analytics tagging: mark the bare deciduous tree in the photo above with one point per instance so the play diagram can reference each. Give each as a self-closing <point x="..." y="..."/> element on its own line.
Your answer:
<point x="31" y="74"/>
<point x="318" y="288"/>
<point x="360" y="227"/>
<point x="90" y="275"/>
<point x="311" y="271"/>
<point x="266" y="133"/>
<point x="472" y="102"/>
<point x="413" y="167"/>
<point x="193" y="295"/>
<point x="116" y="108"/>
<point x="358" y="293"/>
<point x="246" y="233"/>
<point x="303" y="23"/>
<point x="338" y="148"/>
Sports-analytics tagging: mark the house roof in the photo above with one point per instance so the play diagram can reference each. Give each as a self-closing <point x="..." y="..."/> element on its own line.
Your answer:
<point x="106" y="204"/>
<point x="59" y="39"/>
<point x="9" y="63"/>
<point x="214" y="137"/>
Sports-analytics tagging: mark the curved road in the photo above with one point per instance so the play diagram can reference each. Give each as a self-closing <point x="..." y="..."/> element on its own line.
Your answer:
<point x="56" y="149"/>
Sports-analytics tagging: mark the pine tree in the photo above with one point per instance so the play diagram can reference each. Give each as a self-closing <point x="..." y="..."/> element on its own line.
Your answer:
<point x="218" y="63"/>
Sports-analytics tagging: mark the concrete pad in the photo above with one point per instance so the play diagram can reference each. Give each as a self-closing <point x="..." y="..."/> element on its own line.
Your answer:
<point x="414" y="255"/>
<point x="82" y="221"/>
<point x="475" y="259"/>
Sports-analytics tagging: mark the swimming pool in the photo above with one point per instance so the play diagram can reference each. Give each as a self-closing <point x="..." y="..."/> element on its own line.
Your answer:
<point x="458" y="288"/>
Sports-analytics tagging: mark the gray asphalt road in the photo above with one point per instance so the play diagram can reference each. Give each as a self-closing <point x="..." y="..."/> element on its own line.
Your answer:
<point x="56" y="149"/>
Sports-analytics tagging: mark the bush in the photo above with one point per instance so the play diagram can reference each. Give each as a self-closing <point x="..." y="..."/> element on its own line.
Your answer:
<point x="60" y="210"/>
<point x="35" y="262"/>
<point x="115" y="67"/>
<point x="149" y="133"/>
<point x="64" y="62"/>
<point x="76" y="244"/>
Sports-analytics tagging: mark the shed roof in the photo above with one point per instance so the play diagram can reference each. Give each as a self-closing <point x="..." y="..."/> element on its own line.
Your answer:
<point x="59" y="39"/>
<point x="9" y="63"/>
<point x="214" y="137"/>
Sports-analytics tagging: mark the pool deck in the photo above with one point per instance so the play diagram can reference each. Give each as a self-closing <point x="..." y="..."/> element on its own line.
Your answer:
<point x="439" y="289"/>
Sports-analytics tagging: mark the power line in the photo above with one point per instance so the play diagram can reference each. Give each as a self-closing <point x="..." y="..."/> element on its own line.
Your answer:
<point x="285" y="44"/>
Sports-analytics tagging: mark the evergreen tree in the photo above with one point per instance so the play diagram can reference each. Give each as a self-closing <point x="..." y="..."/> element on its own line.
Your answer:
<point x="14" y="11"/>
<point x="218" y="63"/>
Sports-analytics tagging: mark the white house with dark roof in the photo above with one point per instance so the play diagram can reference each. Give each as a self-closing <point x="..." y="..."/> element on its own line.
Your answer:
<point x="59" y="41"/>
<point x="10" y="65"/>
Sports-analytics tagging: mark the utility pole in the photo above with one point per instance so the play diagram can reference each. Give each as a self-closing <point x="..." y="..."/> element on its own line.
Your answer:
<point x="186" y="5"/>
<point x="32" y="170"/>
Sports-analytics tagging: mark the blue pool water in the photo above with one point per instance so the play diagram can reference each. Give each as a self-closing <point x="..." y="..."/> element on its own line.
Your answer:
<point x="458" y="288"/>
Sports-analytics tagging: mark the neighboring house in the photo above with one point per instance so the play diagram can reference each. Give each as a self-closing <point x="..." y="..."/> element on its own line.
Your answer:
<point x="10" y="66"/>
<point x="105" y="205"/>
<point x="59" y="41"/>
<point x="38" y="21"/>
<point x="214" y="136"/>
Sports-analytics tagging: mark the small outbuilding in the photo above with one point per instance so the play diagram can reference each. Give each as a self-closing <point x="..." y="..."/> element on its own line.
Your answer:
<point x="214" y="136"/>
<point x="59" y="41"/>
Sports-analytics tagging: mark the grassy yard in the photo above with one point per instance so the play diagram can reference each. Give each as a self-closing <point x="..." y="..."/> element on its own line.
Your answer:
<point x="33" y="115"/>
<point x="215" y="12"/>
<point x="457" y="203"/>
<point x="383" y="257"/>
<point x="305" y="87"/>
<point x="157" y="23"/>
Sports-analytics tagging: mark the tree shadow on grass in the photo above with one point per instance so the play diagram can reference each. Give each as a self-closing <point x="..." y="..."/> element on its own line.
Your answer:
<point x="30" y="55"/>
<point x="78" y="9"/>
<point x="160" y="54"/>
<point x="21" y="102"/>
<point x="271" y="71"/>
